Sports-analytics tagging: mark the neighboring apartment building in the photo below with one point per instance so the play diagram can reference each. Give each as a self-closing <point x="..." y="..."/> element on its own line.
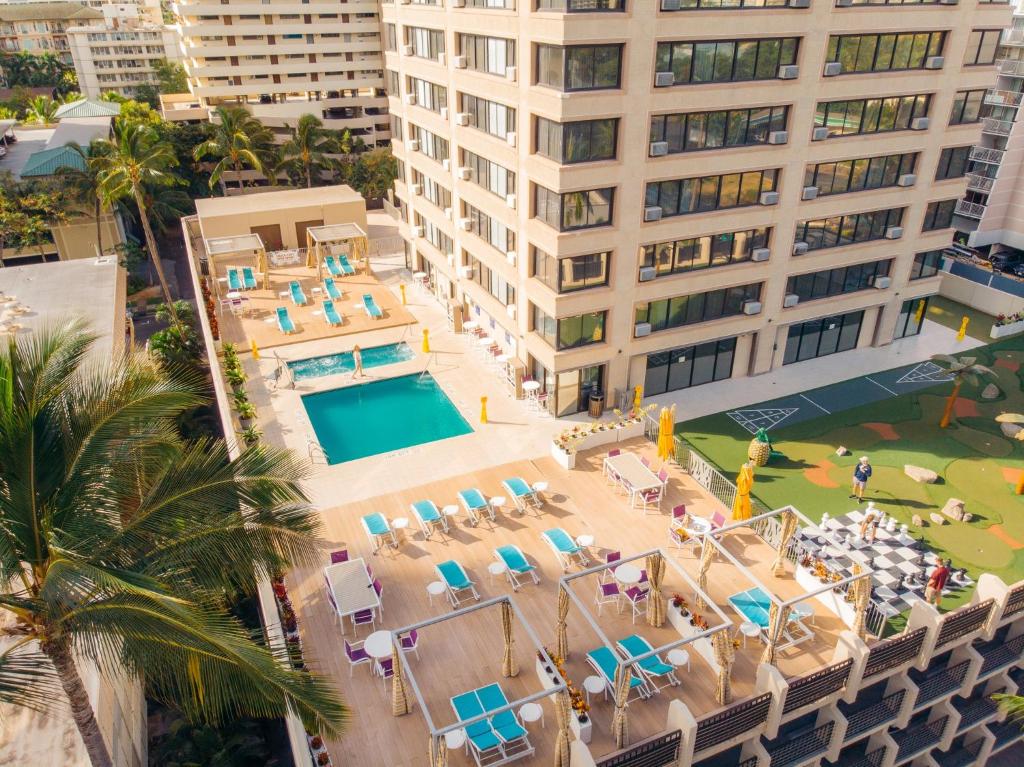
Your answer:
<point x="282" y="60"/>
<point x="42" y="27"/>
<point x="673" y="192"/>
<point x="119" y="58"/>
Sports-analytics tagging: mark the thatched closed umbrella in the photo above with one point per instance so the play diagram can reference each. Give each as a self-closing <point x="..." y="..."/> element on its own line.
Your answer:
<point x="563" y="710"/>
<point x="785" y="536"/>
<point x="561" y="637"/>
<point x="861" y="598"/>
<point x="776" y="624"/>
<point x="724" y="656"/>
<point x="399" y="695"/>
<point x="656" y="600"/>
<point x="706" y="555"/>
<point x="438" y="752"/>
<point x="509" y="666"/>
<point x="620" y="729"/>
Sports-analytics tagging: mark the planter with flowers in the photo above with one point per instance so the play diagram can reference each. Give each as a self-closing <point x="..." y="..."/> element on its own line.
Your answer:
<point x="586" y="436"/>
<point x="1007" y="325"/>
<point x="549" y="669"/>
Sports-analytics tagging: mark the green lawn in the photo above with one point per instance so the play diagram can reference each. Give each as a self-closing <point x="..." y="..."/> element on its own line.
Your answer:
<point x="975" y="463"/>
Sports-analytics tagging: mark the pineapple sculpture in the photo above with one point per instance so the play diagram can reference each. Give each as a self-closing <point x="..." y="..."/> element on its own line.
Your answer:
<point x="760" y="448"/>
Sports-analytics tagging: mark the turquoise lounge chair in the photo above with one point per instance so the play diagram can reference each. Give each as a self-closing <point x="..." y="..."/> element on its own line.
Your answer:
<point x="485" y="743"/>
<point x="234" y="281"/>
<point x="456" y="581"/>
<point x="346" y="267"/>
<point x="522" y="494"/>
<point x="297" y="295"/>
<point x="505" y="724"/>
<point x="652" y="667"/>
<point x="515" y="564"/>
<point x="248" y="278"/>
<point x="372" y="310"/>
<point x="565" y="548"/>
<point x="332" y="266"/>
<point x="473" y="502"/>
<point x="604" y="662"/>
<point x="284" y="322"/>
<point x="429" y="517"/>
<point x="378" y="530"/>
<point x="331" y="289"/>
<point x="331" y="314"/>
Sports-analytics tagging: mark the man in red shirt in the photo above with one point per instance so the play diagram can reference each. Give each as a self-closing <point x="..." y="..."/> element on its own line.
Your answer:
<point x="937" y="582"/>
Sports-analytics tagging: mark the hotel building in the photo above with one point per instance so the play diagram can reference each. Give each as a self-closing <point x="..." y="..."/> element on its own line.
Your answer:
<point x="672" y="192"/>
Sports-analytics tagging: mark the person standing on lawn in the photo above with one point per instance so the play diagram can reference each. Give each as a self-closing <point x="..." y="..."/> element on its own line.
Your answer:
<point x="937" y="582"/>
<point x="861" y="475"/>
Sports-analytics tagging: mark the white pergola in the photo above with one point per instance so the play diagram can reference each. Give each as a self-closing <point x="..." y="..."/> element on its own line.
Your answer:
<point x="320" y="240"/>
<point x="238" y="245"/>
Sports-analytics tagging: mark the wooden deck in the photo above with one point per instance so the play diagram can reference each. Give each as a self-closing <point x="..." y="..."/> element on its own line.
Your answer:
<point x="461" y="655"/>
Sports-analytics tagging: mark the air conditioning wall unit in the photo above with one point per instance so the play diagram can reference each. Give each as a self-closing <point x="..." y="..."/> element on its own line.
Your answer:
<point x="883" y="282"/>
<point x="448" y="213"/>
<point x="789" y="72"/>
<point x="415" y="189"/>
<point x="769" y="198"/>
<point x="511" y="73"/>
<point x="920" y="123"/>
<point x="819" y="134"/>
<point x="652" y="213"/>
<point x="751" y="306"/>
<point x="464" y="224"/>
<point x="671" y="5"/>
<point x="458" y="3"/>
<point x="510" y="200"/>
<point x="790" y="300"/>
<point x="760" y="254"/>
<point x="894" y="232"/>
<point x="463" y="118"/>
<point x="464" y="272"/>
<point x="800" y="247"/>
<point x="465" y="173"/>
<point x="511" y="138"/>
<point x="441" y="58"/>
<point x="648" y="273"/>
<point x="799" y="3"/>
<point x="809" y="193"/>
<point x="658" y="148"/>
<point x="778" y="137"/>
<point x="459" y="62"/>
<point x="413" y="144"/>
<point x="663" y="79"/>
<point x="417" y="231"/>
<point x="451" y="260"/>
<point x="410" y="99"/>
<point x="444" y="113"/>
<point x="844" y="3"/>
<point x="510" y="310"/>
<point x="408" y="50"/>
<point x="833" y="68"/>
<point x="511" y="257"/>
<point x="934" y="62"/>
<point x="907" y="179"/>
<point x="948" y="2"/>
<point x="446" y="164"/>
<point x="641" y="329"/>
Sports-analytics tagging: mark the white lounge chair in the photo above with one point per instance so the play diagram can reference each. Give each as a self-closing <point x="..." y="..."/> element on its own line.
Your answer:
<point x="378" y="530"/>
<point x="515" y="564"/>
<point x="565" y="548"/>
<point x="456" y="582"/>
<point x="524" y="496"/>
<point x="429" y="517"/>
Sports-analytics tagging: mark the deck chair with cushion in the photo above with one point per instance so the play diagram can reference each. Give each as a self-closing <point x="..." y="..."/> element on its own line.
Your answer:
<point x="346" y="268"/>
<point x="378" y="530"/>
<point x="475" y="504"/>
<point x="604" y="662"/>
<point x="429" y="517"/>
<point x="234" y="280"/>
<point x="516" y="565"/>
<point x="456" y="582"/>
<point x="298" y="297"/>
<point x="248" y="278"/>
<point x="524" y="496"/>
<point x="332" y="266"/>
<point x="372" y="310"/>
<point x="506" y="725"/>
<point x="653" y="668"/>
<point x="284" y="322"/>
<point x="331" y="314"/>
<point x="484" y="743"/>
<point x="332" y="290"/>
<point x="564" y="547"/>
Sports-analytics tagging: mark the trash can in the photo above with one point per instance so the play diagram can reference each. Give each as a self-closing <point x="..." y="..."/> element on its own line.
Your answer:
<point x="596" y="404"/>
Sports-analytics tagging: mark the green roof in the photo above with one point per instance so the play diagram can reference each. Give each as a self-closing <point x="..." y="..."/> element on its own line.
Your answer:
<point x="87" y="108"/>
<point x="45" y="162"/>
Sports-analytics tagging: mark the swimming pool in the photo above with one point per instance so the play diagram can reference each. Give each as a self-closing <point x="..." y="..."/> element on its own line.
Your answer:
<point x="382" y="416"/>
<point x="329" y="364"/>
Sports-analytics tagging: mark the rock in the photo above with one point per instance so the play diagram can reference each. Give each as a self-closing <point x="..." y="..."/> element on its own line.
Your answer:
<point x="938" y="519"/>
<point x="918" y="474"/>
<point x="954" y="509"/>
<point x="1010" y="429"/>
<point x="917" y="521"/>
<point x="967" y="517"/>
<point x="842" y="451"/>
<point x="990" y="392"/>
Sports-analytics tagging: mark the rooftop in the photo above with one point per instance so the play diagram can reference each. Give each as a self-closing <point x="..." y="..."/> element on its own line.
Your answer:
<point x="88" y="108"/>
<point x="59" y="11"/>
<point x="275" y="200"/>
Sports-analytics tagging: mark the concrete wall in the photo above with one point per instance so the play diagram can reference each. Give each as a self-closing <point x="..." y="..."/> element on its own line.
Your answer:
<point x="77" y="238"/>
<point x="227" y="225"/>
<point x="980" y="297"/>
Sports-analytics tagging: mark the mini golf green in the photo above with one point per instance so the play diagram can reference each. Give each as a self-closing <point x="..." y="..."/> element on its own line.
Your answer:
<point x="974" y="460"/>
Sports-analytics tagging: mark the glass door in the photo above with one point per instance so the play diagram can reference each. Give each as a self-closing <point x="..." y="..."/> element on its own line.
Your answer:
<point x="574" y="387"/>
<point x="912" y="314"/>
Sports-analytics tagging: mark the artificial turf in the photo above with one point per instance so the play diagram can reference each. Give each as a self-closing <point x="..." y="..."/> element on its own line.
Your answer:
<point x="974" y="460"/>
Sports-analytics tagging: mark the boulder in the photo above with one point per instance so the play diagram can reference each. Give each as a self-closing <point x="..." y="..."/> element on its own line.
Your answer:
<point x="842" y="451"/>
<point x="917" y="521"/>
<point x="990" y="392"/>
<point x="1010" y="429"/>
<point x="938" y="519"/>
<point x="954" y="509"/>
<point x="919" y="474"/>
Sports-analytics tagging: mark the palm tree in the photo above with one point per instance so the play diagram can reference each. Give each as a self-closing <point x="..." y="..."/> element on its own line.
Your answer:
<point x="307" y="151"/>
<point x="85" y="184"/>
<point x="960" y="369"/>
<point x="1012" y="706"/>
<point x="42" y="110"/>
<point x="236" y="139"/>
<point x="120" y="540"/>
<point x="130" y="163"/>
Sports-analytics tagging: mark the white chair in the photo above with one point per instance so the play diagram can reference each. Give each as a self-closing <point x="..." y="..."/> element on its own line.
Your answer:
<point x="608" y="594"/>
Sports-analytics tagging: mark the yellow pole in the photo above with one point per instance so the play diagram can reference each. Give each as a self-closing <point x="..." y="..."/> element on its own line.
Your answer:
<point x="963" y="328"/>
<point x="920" y="311"/>
<point x="402" y="289"/>
<point x="1020" y="484"/>
<point x="483" y="410"/>
<point x="255" y="350"/>
<point x="426" y="341"/>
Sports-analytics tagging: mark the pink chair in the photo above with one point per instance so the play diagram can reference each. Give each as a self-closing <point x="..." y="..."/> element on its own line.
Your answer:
<point x="650" y="497"/>
<point x="610" y="473"/>
<point x="679" y="512"/>
<point x="337" y="557"/>
<point x="362" y="618"/>
<point x="356" y="655"/>
<point x="645" y="461"/>
<point x="663" y="476"/>
<point x="613" y="453"/>
<point x="637" y="598"/>
<point x="378" y="589"/>
<point x="611" y="556"/>
<point x="386" y="671"/>
<point x="717" y="521"/>
<point x="608" y="594"/>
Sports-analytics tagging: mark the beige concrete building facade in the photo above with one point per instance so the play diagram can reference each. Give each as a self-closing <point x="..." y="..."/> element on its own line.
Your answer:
<point x="622" y="194"/>
<point x="120" y="58"/>
<point x="39" y="28"/>
<point x="284" y="59"/>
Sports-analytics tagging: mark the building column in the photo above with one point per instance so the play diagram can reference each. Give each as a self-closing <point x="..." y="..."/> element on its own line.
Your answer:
<point x="742" y="363"/>
<point x="871" y="324"/>
<point x="888" y="314"/>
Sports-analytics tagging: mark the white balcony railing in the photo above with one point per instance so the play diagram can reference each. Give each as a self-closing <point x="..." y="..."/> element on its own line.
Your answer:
<point x="1010" y="67"/>
<point x="979" y="183"/>
<point x="998" y="127"/>
<point x="969" y="209"/>
<point x="1003" y="98"/>
<point x="984" y="154"/>
<point x="1013" y="37"/>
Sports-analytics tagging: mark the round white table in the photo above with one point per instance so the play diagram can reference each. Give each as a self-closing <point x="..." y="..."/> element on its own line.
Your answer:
<point x="399" y="525"/>
<point x="450" y="510"/>
<point x="529" y="386"/>
<point x="531" y="712"/>
<point x="593" y="685"/>
<point x="627" y="574"/>
<point x="679" y="657"/>
<point x="698" y="526"/>
<point x="502" y="358"/>
<point x="496" y="568"/>
<point x="455" y="739"/>
<point x="379" y="645"/>
<point x="434" y="589"/>
<point x="585" y="541"/>
<point x="497" y="501"/>
<point x="540" y="487"/>
<point x="749" y="630"/>
<point x="233" y="294"/>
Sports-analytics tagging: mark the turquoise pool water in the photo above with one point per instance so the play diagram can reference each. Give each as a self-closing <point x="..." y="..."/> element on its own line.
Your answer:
<point x="329" y="364"/>
<point x="382" y="416"/>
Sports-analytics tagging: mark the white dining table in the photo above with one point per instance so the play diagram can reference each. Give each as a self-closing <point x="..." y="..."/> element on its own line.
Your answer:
<point x="351" y="588"/>
<point x="631" y="472"/>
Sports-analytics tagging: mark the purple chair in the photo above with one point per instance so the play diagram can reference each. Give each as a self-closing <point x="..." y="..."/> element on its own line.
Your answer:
<point x="386" y="670"/>
<point x="613" y="453"/>
<point x="643" y="576"/>
<point x="362" y="618"/>
<point x="607" y="594"/>
<point x="330" y="596"/>
<point x="611" y="556"/>
<point x="645" y="461"/>
<point x="378" y="589"/>
<point x="637" y="598"/>
<point x="663" y="476"/>
<point x="411" y="642"/>
<point x="337" y="557"/>
<point x="369" y="572"/>
<point x="356" y="655"/>
<point x="717" y="521"/>
<point x="679" y="512"/>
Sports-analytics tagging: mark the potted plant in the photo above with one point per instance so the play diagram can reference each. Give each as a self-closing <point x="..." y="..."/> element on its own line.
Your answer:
<point x="246" y="414"/>
<point x="250" y="435"/>
<point x="316" y="743"/>
<point x="679" y="603"/>
<point x="323" y="759"/>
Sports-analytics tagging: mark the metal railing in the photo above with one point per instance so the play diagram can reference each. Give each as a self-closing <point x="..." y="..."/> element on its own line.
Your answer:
<point x="386" y="246"/>
<point x="887" y="709"/>
<point x="653" y="752"/>
<point x="940" y="683"/>
<point x="969" y="209"/>
<point x="985" y="154"/>
<point x="999" y="127"/>
<point x="873" y="759"/>
<point x="914" y="740"/>
<point x="795" y="750"/>
<point x="739" y="719"/>
<point x="998" y="654"/>
<point x="961" y="757"/>
<point x="890" y="653"/>
<point x="1010" y="67"/>
<point x="979" y="182"/>
<point x="1015" y="602"/>
<point x="813" y="687"/>
<point x="1005" y="732"/>
<point x="973" y="711"/>
<point x="962" y="622"/>
<point x="1003" y="98"/>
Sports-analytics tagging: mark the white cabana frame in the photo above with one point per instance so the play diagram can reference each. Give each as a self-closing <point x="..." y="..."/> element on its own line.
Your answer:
<point x="238" y="245"/>
<point x="320" y="239"/>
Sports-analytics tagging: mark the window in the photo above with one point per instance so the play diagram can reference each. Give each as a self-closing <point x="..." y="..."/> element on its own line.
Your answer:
<point x="849" y="118"/>
<point x="507" y="4"/>
<point x="495" y="233"/>
<point x="697" y="307"/>
<point x="722" y="61"/>
<point x="896" y="2"/>
<point x="837" y="231"/>
<point x="566" y="275"/>
<point x="882" y="53"/>
<point x="818" y="338"/>
<point x="582" y="141"/>
<point x="981" y="46"/>
<point x="952" y="162"/>
<point x="689" y="366"/>
<point x="579" y="67"/>
<point x="703" y="252"/>
<point x="713" y="5"/>
<point x="858" y="175"/>
<point x="678" y="197"/>
<point x="573" y="210"/>
<point x="432" y="191"/>
<point x="433" y="235"/>
<point x="391" y="82"/>
<point x="493" y="55"/>
<point x="967" y="107"/>
<point x="428" y="95"/>
<point x="581" y="6"/>
<point x="570" y="332"/>
<point x="836" y="282"/>
<point x="426" y="43"/>
<point x="433" y="146"/>
<point x="489" y="116"/>
<point x="489" y="175"/>
<point x="693" y="131"/>
<point x="491" y="281"/>
<point x="938" y="215"/>
<point x="390" y="37"/>
<point x="926" y="264"/>
<point x="911" y="318"/>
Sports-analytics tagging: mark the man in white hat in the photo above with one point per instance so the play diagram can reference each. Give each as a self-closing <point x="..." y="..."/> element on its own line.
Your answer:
<point x="861" y="475"/>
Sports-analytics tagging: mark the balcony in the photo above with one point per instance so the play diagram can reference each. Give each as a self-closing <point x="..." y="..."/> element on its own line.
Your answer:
<point x="1014" y="37"/>
<point x="984" y="154"/>
<point x="1010" y="67"/>
<point x="999" y="653"/>
<point x="975" y="710"/>
<point x="936" y="684"/>
<point x="969" y="209"/>
<point x="805" y="690"/>
<point x="738" y="719"/>
<point x="959" y="757"/>
<point x="860" y="759"/>
<point x="873" y="715"/>
<point x="1002" y="98"/>
<point x="997" y="127"/>
<point x="1006" y="733"/>
<point x="913" y="740"/>
<point x="979" y="183"/>
<point x="798" y="746"/>
<point x="890" y="653"/>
